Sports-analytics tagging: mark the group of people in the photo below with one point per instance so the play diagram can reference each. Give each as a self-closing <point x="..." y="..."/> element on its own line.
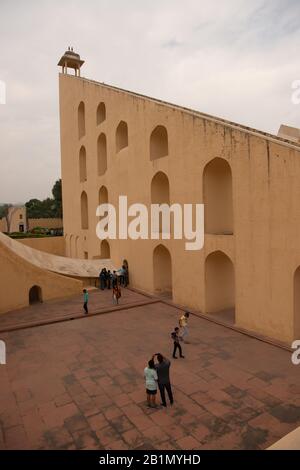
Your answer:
<point x="108" y="279"/>
<point x="157" y="372"/>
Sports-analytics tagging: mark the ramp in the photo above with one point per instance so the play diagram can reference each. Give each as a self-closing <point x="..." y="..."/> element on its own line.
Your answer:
<point x="82" y="268"/>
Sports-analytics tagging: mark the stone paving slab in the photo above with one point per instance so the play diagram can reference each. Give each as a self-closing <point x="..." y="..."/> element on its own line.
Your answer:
<point x="79" y="385"/>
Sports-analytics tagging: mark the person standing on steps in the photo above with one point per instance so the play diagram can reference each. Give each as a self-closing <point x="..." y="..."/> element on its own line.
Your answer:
<point x="183" y="323"/>
<point x="163" y="373"/>
<point x="176" y="339"/>
<point x="85" y="301"/>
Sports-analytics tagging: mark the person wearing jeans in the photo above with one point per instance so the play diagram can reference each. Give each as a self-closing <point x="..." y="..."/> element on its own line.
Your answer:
<point x="150" y="375"/>
<point x="163" y="373"/>
<point x="175" y="337"/>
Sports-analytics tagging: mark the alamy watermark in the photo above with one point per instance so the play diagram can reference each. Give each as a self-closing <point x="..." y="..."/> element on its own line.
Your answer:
<point x="2" y="352"/>
<point x="2" y="92"/>
<point x="296" y="353"/>
<point x="184" y="221"/>
<point x="296" y="94"/>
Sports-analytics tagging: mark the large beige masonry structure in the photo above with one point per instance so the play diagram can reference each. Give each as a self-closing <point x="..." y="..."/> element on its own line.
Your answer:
<point x="115" y="142"/>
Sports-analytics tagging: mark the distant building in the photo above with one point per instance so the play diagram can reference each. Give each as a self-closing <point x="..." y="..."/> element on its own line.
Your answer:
<point x="17" y="221"/>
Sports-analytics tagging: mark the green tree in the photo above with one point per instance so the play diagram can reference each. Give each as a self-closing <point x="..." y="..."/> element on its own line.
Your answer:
<point x="57" y="195"/>
<point x="34" y="209"/>
<point x="6" y="214"/>
<point x="49" y="207"/>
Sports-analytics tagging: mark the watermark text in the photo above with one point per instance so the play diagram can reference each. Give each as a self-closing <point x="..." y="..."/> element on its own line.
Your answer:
<point x="161" y="222"/>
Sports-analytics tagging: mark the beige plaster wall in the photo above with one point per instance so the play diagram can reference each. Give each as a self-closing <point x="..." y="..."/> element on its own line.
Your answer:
<point x="45" y="223"/>
<point x="53" y="245"/>
<point x="17" y="276"/>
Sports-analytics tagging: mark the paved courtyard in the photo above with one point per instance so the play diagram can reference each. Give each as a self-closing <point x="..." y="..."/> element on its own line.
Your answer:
<point x="79" y="384"/>
<point x="67" y="308"/>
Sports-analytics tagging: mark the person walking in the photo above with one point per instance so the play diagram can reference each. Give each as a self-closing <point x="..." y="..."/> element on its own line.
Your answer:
<point x="163" y="373"/>
<point x="183" y="323"/>
<point x="116" y="294"/>
<point x="176" y="339"/>
<point x="151" y="378"/>
<point x="85" y="301"/>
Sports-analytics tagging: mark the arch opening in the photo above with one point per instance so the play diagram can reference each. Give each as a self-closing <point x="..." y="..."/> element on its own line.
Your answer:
<point x="160" y="194"/>
<point x="71" y="247"/>
<point x="160" y="189"/>
<point x="103" y="195"/>
<point x="81" y="120"/>
<point x="103" y="199"/>
<point x="102" y="154"/>
<point x="121" y="136"/>
<point x="162" y="271"/>
<point x="220" y="285"/>
<point x="67" y="248"/>
<point x="101" y="113"/>
<point x="217" y="196"/>
<point x="104" y="250"/>
<point x="84" y="211"/>
<point x="82" y="165"/>
<point x="159" y="146"/>
<point x="35" y="295"/>
<point x="76" y="247"/>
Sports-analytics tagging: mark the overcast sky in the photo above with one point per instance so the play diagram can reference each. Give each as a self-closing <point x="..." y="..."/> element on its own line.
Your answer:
<point x="234" y="59"/>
